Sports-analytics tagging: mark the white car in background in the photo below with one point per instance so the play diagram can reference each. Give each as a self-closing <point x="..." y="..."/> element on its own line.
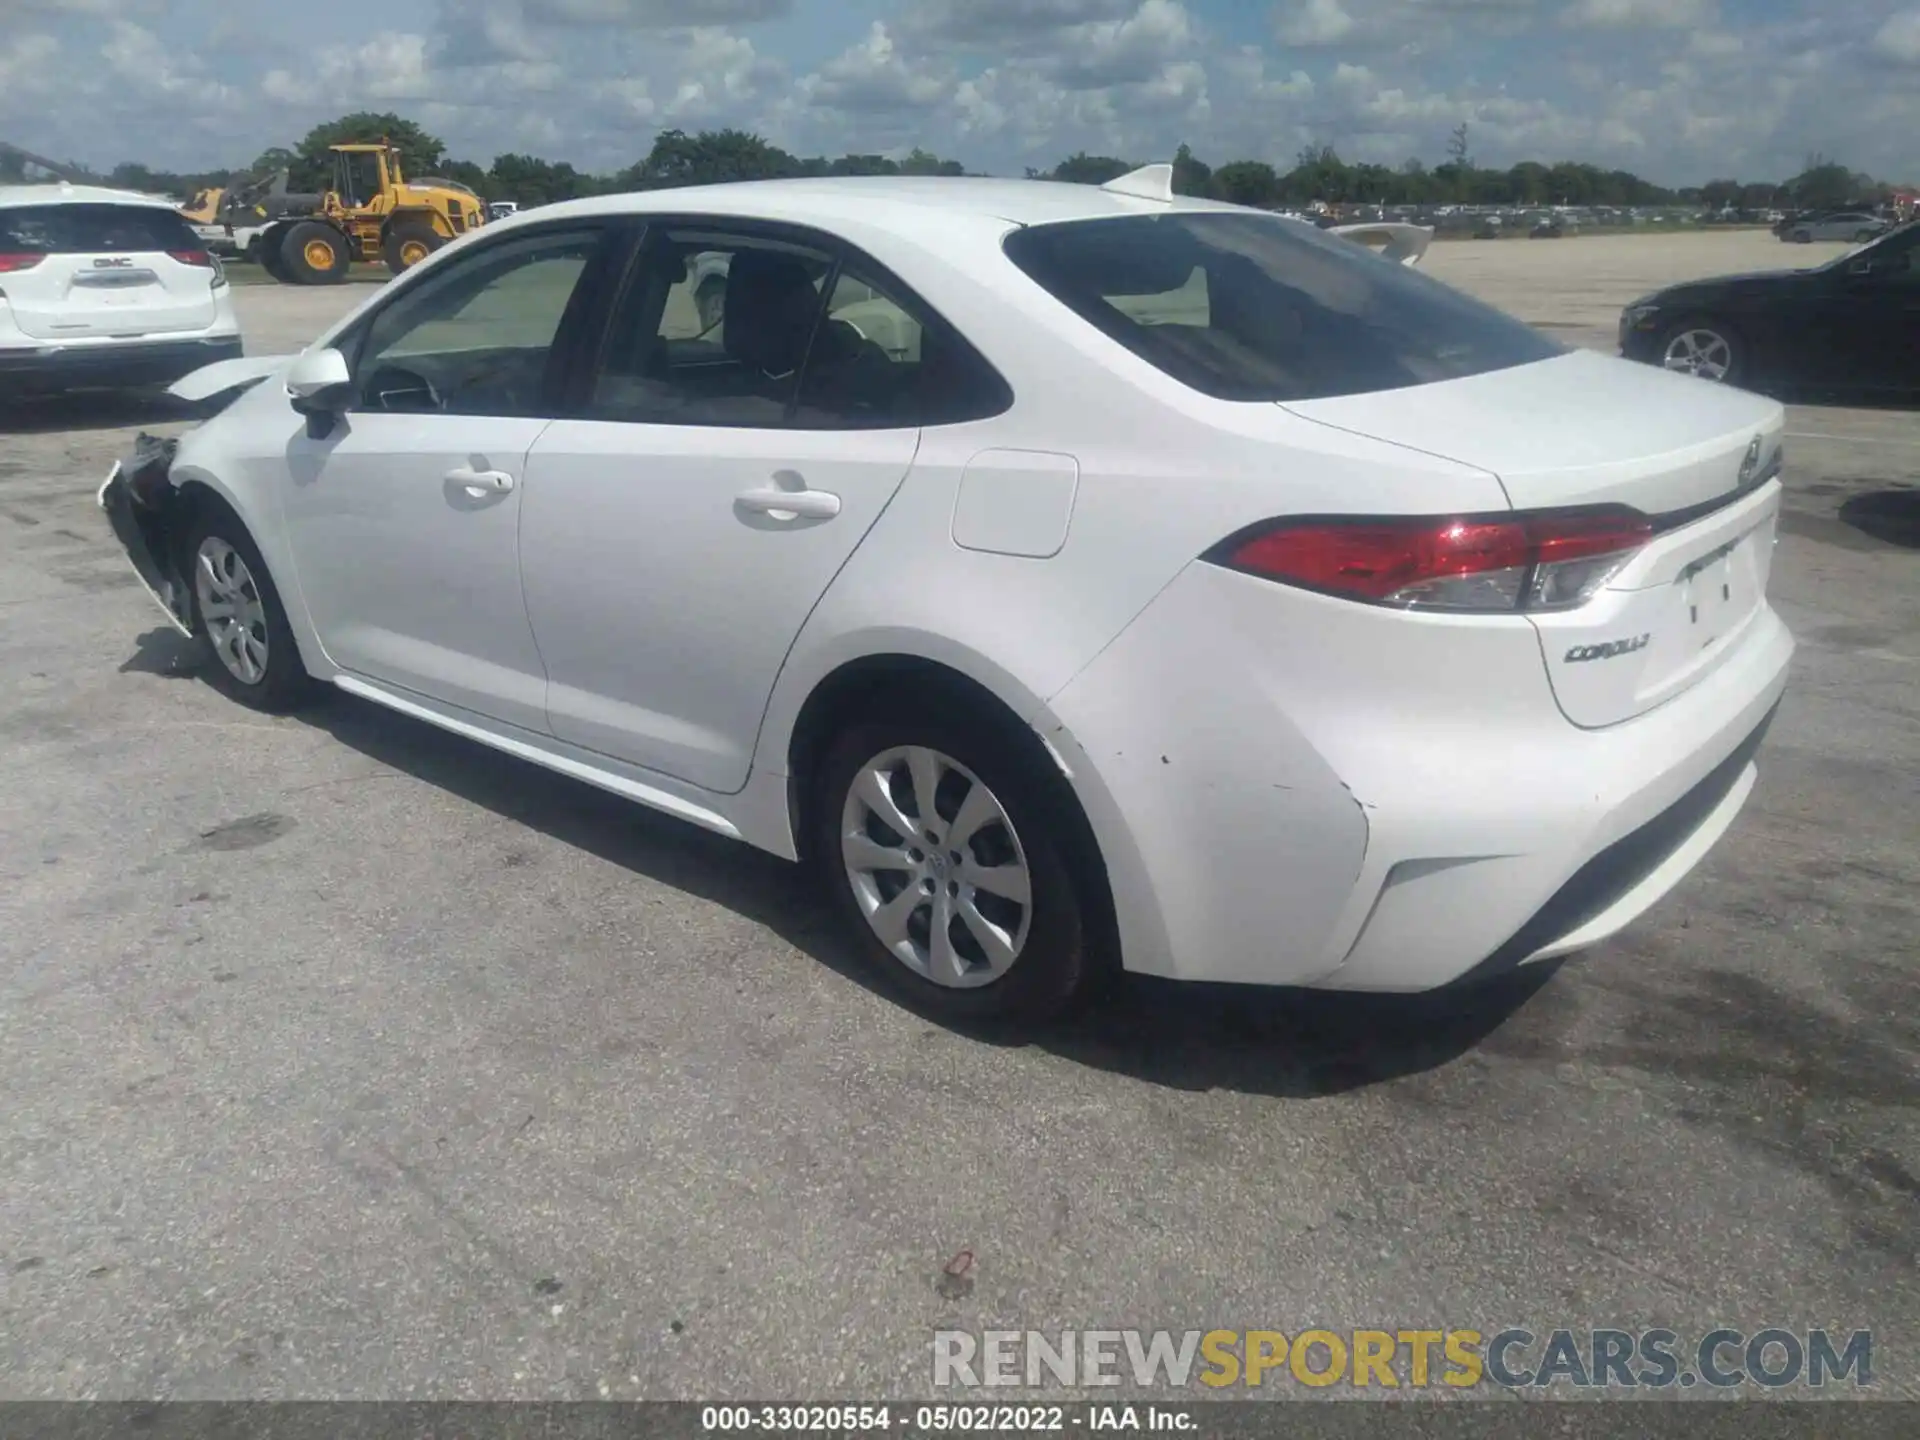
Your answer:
<point x="1080" y="578"/>
<point x="105" y="289"/>
<point x="1854" y="227"/>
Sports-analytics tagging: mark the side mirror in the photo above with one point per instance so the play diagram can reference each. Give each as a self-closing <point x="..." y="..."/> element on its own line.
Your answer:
<point x="316" y="372"/>
<point x="319" y="384"/>
<point x="1861" y="267"/>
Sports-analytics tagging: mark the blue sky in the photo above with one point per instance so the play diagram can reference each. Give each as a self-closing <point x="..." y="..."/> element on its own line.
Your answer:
<point x="1678" y="90"/>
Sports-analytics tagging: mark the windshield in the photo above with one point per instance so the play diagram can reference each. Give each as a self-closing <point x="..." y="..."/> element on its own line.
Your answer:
<point x="1258" y="307"/>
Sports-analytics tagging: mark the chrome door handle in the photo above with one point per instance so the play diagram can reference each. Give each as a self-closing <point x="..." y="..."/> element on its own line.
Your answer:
<point x="792" y="504"/>
<point x="481" y="482"/>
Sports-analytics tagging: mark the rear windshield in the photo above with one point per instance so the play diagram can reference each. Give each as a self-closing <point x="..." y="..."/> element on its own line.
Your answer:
<point x="92" y="229"/>
<point x="1258" y="307"/>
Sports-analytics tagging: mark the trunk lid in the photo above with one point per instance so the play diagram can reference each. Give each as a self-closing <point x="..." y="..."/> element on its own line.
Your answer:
<point x="103" y="271"/>
<point x="1580" y="429"/>
<point x="1698" y="459"/>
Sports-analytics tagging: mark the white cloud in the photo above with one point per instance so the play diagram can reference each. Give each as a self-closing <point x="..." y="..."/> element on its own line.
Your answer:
<point x="1898" y="39"/>
<point x="1639" y="14"/>
<point x="982" y="22"/>
<point x="874" y="77"/>
<point x="997" y="84"/>
<point x="1314" y="22"/>
<point x="390" y="68"/>
<point x="1405" y="25"/>
<point x="1124" y="51"/>
<point x="27" y="68"/>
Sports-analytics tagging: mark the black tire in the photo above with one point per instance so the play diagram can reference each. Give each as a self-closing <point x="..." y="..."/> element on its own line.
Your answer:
<point x="266" y="250"/>
<point x="1864" y="236"/>
<point x="302" y="247"/>
<point x="1801" y="237"/>
<point x="405" y="235"/>
<point x="711" y="302"/>
<point x="283" y="684"/>
<point x="1061" y="963"/>
<point x="1737" y="367"/>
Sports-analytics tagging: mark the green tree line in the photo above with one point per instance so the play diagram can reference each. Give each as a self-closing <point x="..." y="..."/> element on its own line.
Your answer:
<point x="1318" y="173"/>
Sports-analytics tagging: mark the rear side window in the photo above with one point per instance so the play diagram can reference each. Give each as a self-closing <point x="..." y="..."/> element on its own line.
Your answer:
<point x="1260" y="308"/>
<point x="879" y="362"/>
<point x="93" y="230"/>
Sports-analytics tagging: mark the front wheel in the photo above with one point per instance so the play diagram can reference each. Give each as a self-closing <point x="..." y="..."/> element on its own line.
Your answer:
<point x="1703" y="348"/>
<point x="239" y="621"/>
<point x="1864" y="236"/>
<point x="951" y="857"/>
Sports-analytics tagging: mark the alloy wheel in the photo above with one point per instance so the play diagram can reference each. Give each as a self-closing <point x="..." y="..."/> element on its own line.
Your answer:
<point x="936" y="867"/>
<point x="1704" y="353"/>
<point x="231" y="609"/>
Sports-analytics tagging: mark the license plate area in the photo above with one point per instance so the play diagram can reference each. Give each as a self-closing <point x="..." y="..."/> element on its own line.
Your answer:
<point x="1696" y="593"/>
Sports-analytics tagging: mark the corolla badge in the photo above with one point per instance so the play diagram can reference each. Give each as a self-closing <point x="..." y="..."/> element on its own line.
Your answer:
<point x="1606" y="651"/>
<point x="1750" y="465"/>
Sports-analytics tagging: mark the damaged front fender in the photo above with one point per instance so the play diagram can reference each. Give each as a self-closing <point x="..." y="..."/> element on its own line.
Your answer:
<point x="145" y="508"/>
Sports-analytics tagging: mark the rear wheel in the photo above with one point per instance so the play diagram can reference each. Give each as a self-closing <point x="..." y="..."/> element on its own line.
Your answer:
<point x="239" y="620"/>
<point x="1705" y="348"/>
<point x="952" y="858"/>
<point x="408" y="243"/>
<point x="266" y="249"/>
<point x="1864" y="236"/>
<point x="1802" y="237"/>
<point x="315" y="254"/>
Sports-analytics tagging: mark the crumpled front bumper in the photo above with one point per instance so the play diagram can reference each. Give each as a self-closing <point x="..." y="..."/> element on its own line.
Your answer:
<point x="140" y="502"/>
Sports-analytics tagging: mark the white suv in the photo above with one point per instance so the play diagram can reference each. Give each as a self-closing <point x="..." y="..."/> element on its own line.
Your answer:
<point x="102" y="289"/>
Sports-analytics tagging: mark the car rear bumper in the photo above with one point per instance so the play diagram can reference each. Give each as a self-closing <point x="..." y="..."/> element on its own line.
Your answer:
<point x="1296" y="790"/>
<point x="51" y="369"/>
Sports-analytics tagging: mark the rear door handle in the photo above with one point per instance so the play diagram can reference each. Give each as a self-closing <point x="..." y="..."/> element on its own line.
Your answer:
<point x="792" y="504"/>
<point x="481" y="482"/>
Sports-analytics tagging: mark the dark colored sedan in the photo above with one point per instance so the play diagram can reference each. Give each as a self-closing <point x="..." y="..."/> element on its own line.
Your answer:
<point x="1852" y="325"/>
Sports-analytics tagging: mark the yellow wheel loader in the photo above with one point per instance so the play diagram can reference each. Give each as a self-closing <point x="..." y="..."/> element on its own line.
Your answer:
<point x="371" y="214"/>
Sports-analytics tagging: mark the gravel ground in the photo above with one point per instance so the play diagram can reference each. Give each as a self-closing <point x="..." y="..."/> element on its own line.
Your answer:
<point x="342" y="1058"/>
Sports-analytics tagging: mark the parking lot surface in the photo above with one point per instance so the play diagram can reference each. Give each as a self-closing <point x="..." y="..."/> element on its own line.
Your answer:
<point x="343" y="1058"/>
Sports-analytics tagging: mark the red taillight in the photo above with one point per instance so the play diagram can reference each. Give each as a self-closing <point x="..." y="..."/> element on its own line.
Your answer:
<point x="205" y="260"/>
<point x="10" y="261"/>
<point x="1543" y="561"/>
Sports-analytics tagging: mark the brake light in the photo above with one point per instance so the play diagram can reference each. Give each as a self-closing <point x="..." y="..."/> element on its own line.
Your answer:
<point x="12" y="261"/>
<point x="203" y="259"/>
<point x="1549" y="560"/>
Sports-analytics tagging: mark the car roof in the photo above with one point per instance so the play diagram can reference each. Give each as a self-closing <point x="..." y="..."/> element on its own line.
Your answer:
<point x="15" y="196"/>
<point x="906" y="203"/>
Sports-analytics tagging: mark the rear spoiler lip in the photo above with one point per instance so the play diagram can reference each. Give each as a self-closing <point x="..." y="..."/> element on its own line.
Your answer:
<point x="1405" y="244"/>
<point x="224" y="375"/>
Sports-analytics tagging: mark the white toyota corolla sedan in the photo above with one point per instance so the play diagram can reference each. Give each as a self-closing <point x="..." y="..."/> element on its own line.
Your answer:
<point x="1081" y="578"/>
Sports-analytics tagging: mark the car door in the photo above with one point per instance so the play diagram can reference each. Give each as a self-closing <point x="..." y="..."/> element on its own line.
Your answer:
<point x="1890" y="328"/>
<point x="1861" y="331"/>
<point x="404" y="518"/>
<point x="725" y="463"/>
